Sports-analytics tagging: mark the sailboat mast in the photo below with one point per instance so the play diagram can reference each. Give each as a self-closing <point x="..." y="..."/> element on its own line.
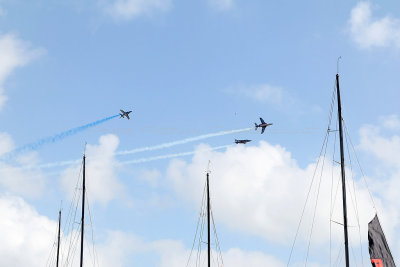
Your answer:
<point x="58" y="240"/>
<point x="208" y="221"/>
<point x="346" y="241"/>
<point x="83" y="209"/>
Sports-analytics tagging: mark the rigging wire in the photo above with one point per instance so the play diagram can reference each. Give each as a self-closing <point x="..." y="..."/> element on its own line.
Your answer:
<point x="362" y="172"/>
<point x="95" y="257"/>
<point x="334" y="194"/>
<point x="217" y="246"/>
<point x="216" y="256"/>
<point x="71" y="222"/>
<point x="355" y="204"/>
<point x="197" y="227"/>
<point x="313" y="177"/>
<point x="316" y="202"/>
<point x="331" y="206"/>
<point x="305" y="204"/>
<point x="203" y="219"/>
<point x="50" y="258"/>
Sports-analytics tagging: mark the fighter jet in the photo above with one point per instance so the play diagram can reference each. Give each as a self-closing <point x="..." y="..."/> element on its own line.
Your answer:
<point x="263" y="125"/>
<point x="124" y="114"/>
<point x="242" y="141"/>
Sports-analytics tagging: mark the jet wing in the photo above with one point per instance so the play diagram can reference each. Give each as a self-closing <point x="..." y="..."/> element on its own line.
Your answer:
<point x="126" y="114"/>
<point x="122" y="111"/>
<point x="263" y="129"/>
<point x="262" y="121"/>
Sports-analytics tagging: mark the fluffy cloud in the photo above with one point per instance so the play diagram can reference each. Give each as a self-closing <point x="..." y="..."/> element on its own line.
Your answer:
<point x="173" y="254"/>
<point x="26" y="236"/>
<point x="221" y="4"/>
<point x="129" y="9"/>
<point x="121" y="249"/>
<point x="102" y="182"/>
<point x="6" y="143"/>
<point x="20" y="179"/>
<point x="27" y="239"/>
<point x="14" y="53"/>
<point x="386" y="149"/>
<point x="261" y="190"/>
<point x="369" y="32"/>
<point x="391" y="122"/>
<point x="384" y="145"/>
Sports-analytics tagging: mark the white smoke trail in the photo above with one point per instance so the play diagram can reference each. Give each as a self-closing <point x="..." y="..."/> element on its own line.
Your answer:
<point x="169" y="156"/>
<point x="128" y="162"/>
<point x="143" y="149"/>
<point x="180" y="142"/>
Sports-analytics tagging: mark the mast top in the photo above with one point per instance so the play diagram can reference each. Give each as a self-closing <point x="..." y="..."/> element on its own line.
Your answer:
<point x="84" y="150"/>
<point x="208" y="167"/>
<point x="337" y="65"/>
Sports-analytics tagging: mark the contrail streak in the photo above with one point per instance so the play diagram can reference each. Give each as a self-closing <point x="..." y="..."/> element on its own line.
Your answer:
<point x="58" y="137"/>
<point x="168" y="156"/>
<point x="128" y="162"/>
<point x="134" y="161"/>
<point x="180" y="142"/>
<point x="150" y="148"/>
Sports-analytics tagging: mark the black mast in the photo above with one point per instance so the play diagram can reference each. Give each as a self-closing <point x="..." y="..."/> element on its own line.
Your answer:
<point x="83" y="209"/>
<point x="208" y="221"/>
<point x="58" y="242"/>
<point x="346" y="241"/>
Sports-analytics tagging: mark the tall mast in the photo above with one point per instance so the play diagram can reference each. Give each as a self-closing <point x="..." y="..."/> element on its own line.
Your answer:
<point x="58" y="241"/>
<point x="208" y="220"/>
<point x="83" y="208"/>
<point x="346" y="241"/>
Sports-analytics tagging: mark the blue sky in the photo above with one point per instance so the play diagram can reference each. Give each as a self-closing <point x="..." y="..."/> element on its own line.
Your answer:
<point x="187" y="69"/>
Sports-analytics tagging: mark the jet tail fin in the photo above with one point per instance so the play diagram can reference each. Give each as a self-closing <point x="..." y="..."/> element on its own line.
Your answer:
<point x="255" y="126"/>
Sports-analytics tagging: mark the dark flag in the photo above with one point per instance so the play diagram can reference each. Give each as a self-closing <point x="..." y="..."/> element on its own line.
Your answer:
<point x="378" y="247"/>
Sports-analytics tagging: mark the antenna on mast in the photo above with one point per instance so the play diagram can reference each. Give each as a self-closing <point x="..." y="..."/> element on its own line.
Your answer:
<point x="337" y="65"/>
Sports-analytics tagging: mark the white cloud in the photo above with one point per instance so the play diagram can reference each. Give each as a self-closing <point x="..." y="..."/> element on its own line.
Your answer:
<point x="237" y="257"/>
<point x="129" y="9"/>
<point x="119" y="246"/>
<point x="173" y="253"/>
<point x="26" y="236"/>
<point x="369" y="32"/>
<point x="383" y="148"/>
<point x="14" y="53"/>
<point x="260" y="190"/>
<point x="26" y="183"/>
<point x="391" y="122"/>
<point x="221" y="4"/>
<point x="378" y="141"/>
<point x="116" y="248"/>
<point x="6" y="143"/>
<point x="20" y="180"/>
<point x="262" y="93"/>
<point x="27" y="239"/>
<point x="101" y="179"/>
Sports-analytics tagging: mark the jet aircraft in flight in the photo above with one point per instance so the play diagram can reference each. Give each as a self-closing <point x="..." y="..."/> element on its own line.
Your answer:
<point x="242" y="141"/>
<point x="124" y="114"/>
<point x="263" y="125"/>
